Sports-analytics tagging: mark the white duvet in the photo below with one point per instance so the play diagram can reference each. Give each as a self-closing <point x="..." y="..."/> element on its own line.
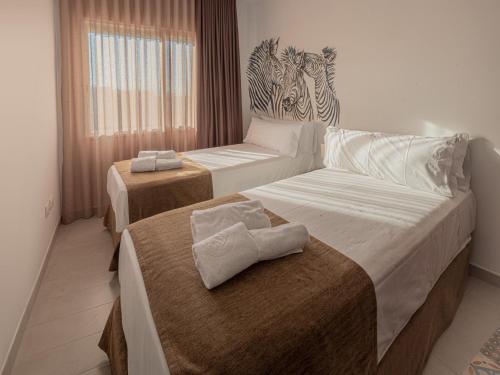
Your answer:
<point x="234" y="168"/>
<point x="403" y="238"/>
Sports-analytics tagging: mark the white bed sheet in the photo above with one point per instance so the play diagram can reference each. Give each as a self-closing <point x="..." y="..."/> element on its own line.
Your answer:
<point x="234" y="168"/>
<point x="404" y="239"/>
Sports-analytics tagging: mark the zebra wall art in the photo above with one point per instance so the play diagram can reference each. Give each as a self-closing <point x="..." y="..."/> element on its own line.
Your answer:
<point x="279" y="86"/>
<point x="296" y="100"/>
<point x="265" y="74"/>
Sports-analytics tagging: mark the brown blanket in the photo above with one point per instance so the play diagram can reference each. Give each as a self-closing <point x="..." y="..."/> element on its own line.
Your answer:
<point x="313" y="312"/>
<point x="150" y="193"/>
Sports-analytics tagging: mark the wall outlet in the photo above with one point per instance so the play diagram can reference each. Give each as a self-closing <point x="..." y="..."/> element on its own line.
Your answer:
<point x="49" y="206"/>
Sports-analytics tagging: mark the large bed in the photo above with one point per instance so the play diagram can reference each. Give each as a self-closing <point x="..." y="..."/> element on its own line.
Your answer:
<point x="413" y="245"/>
<point x="233" y="168"/>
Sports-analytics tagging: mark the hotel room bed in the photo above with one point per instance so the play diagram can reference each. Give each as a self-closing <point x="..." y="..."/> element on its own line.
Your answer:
<point x="233" y="168"/>
<point x="405" y="240"/>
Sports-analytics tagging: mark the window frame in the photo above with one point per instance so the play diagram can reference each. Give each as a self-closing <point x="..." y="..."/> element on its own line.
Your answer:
<point x="163" y="37"/>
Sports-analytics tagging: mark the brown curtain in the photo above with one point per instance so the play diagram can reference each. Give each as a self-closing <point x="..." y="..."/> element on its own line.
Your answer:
<point x="219" y="116"/>
<point x="128" y="82"/>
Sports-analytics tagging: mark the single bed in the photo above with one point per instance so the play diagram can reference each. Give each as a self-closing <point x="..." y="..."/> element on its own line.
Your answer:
<point x="233" y="168"/>
<point x="406" y="240"/>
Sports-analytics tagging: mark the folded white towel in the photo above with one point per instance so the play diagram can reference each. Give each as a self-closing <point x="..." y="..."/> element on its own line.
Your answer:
<point x="164" y="164"/>
<point x="166" y="154"/>
<point x="225" y="254"/>
<point x="220" y="257"/>
<point x="206" y="223"/>
<point x="169" y="154"/>
<point x="147" y="154"/>
<point x="281" y="240"/>
<point x="146" y="164"/>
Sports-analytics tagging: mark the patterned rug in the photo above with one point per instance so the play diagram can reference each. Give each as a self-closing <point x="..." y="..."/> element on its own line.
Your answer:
<point x="487" y="361"/>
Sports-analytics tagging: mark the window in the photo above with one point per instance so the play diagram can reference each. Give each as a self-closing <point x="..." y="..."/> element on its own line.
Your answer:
<point x="139" y="83"/>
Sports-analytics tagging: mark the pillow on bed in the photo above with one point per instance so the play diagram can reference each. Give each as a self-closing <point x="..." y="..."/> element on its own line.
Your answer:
<point x="463" y="184"/>
<point x="461" y="163"/>
<point x="423" y="163"/>
<point x="278" y="137"/>
<point x="347" y="149"/>
<point x="308" y="143"/>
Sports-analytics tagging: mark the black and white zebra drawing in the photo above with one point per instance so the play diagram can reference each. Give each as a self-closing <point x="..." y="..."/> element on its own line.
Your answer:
<point x="296" y="99"/>
<point x="278" y="88"/>
<point x="321" y="68"/>
<point x="265" y="74"/>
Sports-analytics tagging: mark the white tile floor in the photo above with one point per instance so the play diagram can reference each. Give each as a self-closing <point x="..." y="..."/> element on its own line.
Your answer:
<point x="77" y="292"/>
<point x="72" y="305"/>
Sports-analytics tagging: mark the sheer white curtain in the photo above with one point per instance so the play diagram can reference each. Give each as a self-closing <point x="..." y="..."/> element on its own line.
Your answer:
<point x="140" y="80"/>
<point x="128" y="83"/>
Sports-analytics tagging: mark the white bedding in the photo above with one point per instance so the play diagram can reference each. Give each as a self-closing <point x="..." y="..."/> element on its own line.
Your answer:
<point x="234" y="168"/>
<point x="403" y="238"/>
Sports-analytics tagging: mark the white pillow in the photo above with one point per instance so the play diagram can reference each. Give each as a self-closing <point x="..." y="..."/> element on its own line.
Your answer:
<point x="278" y="137"/>
<point x="347" y="149"/>
<point x="308" y="143"/>
<point x="461" y="160"/>
<point x="423" y="163"/>
<point x="463" y="184"/>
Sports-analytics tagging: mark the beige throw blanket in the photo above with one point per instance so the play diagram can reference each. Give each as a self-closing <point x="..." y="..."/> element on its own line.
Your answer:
<point x="150" y="193"/>
<point x="313" y="312"/>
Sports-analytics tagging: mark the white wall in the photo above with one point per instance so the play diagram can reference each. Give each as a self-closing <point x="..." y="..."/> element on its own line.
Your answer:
<point x="427" y="67"/>
<point x="28" y="153"/>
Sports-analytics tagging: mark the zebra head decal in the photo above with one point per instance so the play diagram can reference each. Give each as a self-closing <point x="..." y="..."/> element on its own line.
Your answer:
<point x="296" y="98"/>
<point x="321" y="68"/>
<point x="265" y="74"/>
<point x="279" y="87"/>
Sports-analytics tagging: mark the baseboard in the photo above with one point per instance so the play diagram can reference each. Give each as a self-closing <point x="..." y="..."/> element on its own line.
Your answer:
<point x="484" y="274"/>
<point x="16" y="341"/>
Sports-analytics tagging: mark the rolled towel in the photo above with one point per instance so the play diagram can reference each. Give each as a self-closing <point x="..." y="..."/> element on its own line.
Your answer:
<point x="206" y="223"/>
<point x="146" y="164"/>
<point x="169" y="154"/>
<point x="147" y="154"/>
<point x="164" y="164"/>
<point x="281" y="240"/>
<point x="227" y="253"/>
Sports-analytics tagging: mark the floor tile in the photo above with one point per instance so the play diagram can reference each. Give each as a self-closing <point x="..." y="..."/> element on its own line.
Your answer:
<point x="470" y="284"/>
<point x="48" y="309"/>
<point x="487" y="292"/>
<point x="436" y="367"/>
<point x="93" y="255"/>
<point x="79" y="265"/>
<point x="80" y="231"/>
<point x="43" y="337"/>
<point x="474" y="322"/>
<point x="75" y="283"/>
<point x="71" y="359"/>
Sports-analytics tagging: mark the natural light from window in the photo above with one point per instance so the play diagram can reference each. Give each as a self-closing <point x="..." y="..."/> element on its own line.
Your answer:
<point x="139" y="83"/>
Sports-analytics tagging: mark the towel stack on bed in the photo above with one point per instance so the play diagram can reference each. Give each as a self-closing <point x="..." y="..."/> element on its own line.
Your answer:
<point x="150" y="161"/>
<point x="230" y="238"/>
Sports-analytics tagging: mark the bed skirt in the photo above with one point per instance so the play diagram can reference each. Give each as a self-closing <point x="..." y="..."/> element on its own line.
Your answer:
<point x="406" y="356"/>
<point x="110" y="223"/>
